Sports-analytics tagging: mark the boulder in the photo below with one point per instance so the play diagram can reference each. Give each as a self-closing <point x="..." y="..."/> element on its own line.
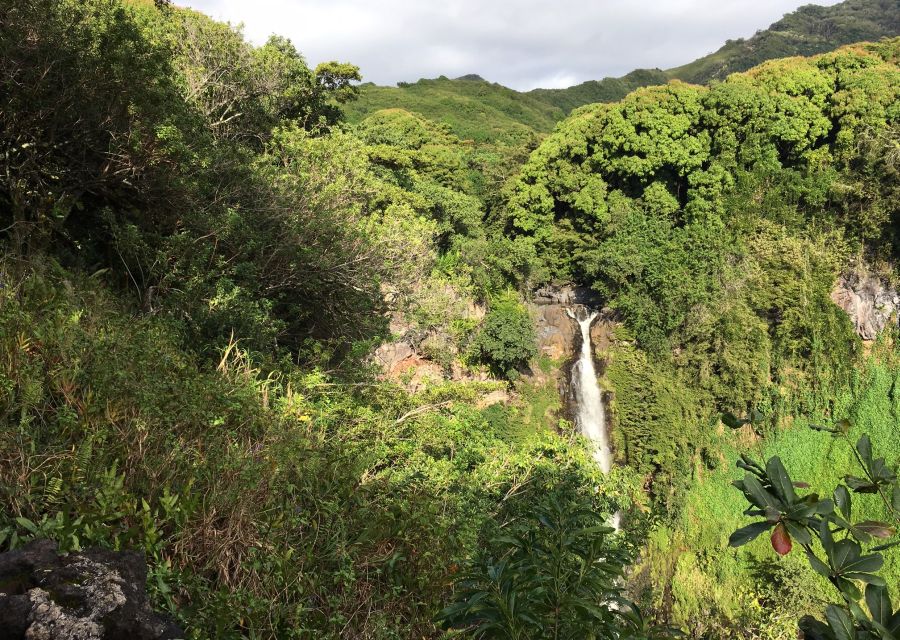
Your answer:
<point x="869" y="302"/>
<point x="89" y="595"/>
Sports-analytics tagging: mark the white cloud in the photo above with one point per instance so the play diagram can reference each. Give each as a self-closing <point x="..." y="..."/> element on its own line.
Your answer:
<point x="520" y="43"/>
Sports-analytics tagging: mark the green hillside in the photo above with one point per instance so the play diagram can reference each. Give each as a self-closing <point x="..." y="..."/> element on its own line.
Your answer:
<point x="809" y="30"/>
<point x="480" y="110"/>
<point x="473" y="108"/>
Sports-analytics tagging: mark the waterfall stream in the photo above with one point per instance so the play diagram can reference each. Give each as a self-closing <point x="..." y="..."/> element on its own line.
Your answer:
<point x="590" y="412"/>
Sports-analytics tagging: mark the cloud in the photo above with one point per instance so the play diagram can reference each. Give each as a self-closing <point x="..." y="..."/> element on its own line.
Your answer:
<point x="519" y="43"/>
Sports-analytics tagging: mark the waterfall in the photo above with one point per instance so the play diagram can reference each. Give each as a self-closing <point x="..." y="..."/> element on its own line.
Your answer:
<point x="590" y="412"/>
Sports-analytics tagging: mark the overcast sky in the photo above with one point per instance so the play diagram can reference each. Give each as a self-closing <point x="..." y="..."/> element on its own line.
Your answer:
<point x="519" y="43"/>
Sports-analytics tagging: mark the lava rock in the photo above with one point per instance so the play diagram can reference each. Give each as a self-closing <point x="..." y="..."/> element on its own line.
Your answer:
<point x="89" y="595"/>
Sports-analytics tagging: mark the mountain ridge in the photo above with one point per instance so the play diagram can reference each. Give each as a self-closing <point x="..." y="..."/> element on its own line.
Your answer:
<point x="477" y="109"/>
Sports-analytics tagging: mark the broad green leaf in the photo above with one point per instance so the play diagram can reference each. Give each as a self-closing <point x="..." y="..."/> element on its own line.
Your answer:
<point x="780" y="480"/>
<point x="27" y="524"/>
<point x="879" y="603"/>
<point x="758" y="495"/>
<point x="844" y="553"/>
<point x="798" y="532"/>
<point x="842" y="500"/>
<point x="818" y="566"/>
<point x="868" y="578"/>
<point x="860" y="485"/>
<point x="864" y="446"/>
<point x="840" y="623"/>
<point x="747" y="534"/>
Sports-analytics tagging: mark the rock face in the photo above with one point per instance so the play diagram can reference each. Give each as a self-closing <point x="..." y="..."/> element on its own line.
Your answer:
<point x="567" y="296"/>
<point x="555" y="330"/>
<point x="91" y="595"/>
<point x="868" y="301"/>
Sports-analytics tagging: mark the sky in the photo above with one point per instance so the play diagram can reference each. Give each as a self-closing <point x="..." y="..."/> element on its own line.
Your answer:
<point x="522" y="44"/>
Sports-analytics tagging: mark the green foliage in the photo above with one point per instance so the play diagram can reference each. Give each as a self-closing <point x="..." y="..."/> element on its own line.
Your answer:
<point x="556" y="576"/>
<point x="272" y="501"/>
<point x="472" y="108"/>
<point x="506" y="340"/>
<point x="815" y="523"/>
<point x="483" y="111"/>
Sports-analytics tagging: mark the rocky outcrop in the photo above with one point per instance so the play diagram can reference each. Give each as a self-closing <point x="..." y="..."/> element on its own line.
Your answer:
<point x="567" y="296"/>
<point x="555" y="330"/>
<point x="90" y="595"/>
<point x="868" y="300"/>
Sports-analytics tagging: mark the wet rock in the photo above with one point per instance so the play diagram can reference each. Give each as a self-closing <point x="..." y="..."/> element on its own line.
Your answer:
<point x="567" y="295"/>
<point x="868" y="300"/>
<point x="90" y="595"/>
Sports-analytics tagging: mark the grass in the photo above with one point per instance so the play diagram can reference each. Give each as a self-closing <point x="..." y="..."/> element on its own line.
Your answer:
<point x="713" y="510"/>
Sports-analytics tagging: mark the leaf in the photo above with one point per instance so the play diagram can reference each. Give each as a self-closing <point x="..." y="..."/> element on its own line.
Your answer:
<point x="826" y="538"/>
<point x="842" y="500"/>
<point x="875" y="529"/>
<point x="865" y="564"/>
<point x="896" y="497"/>
<point x="781" y="540"/>
<point x="879" y="603"/>
<point x="818" y="566"/>
<point x="758" y="495"/>
<point x="868" y="578"/>
<point x="27" y="524"/>
<point x="844" y="553"/>
<point x="864" y="446"/>
<point x="860" y="485"/>
<point x="840" y="622"/>
<point x="798" y="532"/>
<point x="772" y="514"/>
<point x="747" y="534"/>
<point x="780" y="480"/>
<point x="814" y="630"/>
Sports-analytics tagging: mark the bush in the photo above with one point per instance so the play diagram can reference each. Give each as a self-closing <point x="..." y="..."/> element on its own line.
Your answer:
<point x="507" y="341"/>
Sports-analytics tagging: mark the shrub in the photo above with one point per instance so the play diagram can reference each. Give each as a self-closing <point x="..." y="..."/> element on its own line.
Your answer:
<point x="507" y="341"/>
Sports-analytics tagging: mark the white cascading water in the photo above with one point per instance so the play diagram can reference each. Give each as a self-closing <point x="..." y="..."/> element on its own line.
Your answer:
<point x="590" y="414"/>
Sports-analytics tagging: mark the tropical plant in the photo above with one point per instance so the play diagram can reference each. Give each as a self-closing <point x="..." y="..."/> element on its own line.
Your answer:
<point x="555" y="574"/>
<point x="844" y="552"/>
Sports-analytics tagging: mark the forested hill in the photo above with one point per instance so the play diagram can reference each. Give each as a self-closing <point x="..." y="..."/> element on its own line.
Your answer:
<point x="474" y="108"/>
<point x="316" y="372"/>
<point x="481" y="110"/>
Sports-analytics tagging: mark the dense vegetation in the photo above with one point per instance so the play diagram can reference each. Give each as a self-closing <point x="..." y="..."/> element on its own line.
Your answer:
<point x="200" y="256"/>
<point x="715" y="222"/>
<point x="483" y="111"/>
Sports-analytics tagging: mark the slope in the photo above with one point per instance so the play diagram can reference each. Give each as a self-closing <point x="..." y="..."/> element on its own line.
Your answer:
<point x="480" y="110"/>
<point x="473" y="108"/>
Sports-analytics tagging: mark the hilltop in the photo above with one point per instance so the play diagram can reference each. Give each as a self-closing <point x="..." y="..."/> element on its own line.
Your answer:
<point x="481" y="110"/>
